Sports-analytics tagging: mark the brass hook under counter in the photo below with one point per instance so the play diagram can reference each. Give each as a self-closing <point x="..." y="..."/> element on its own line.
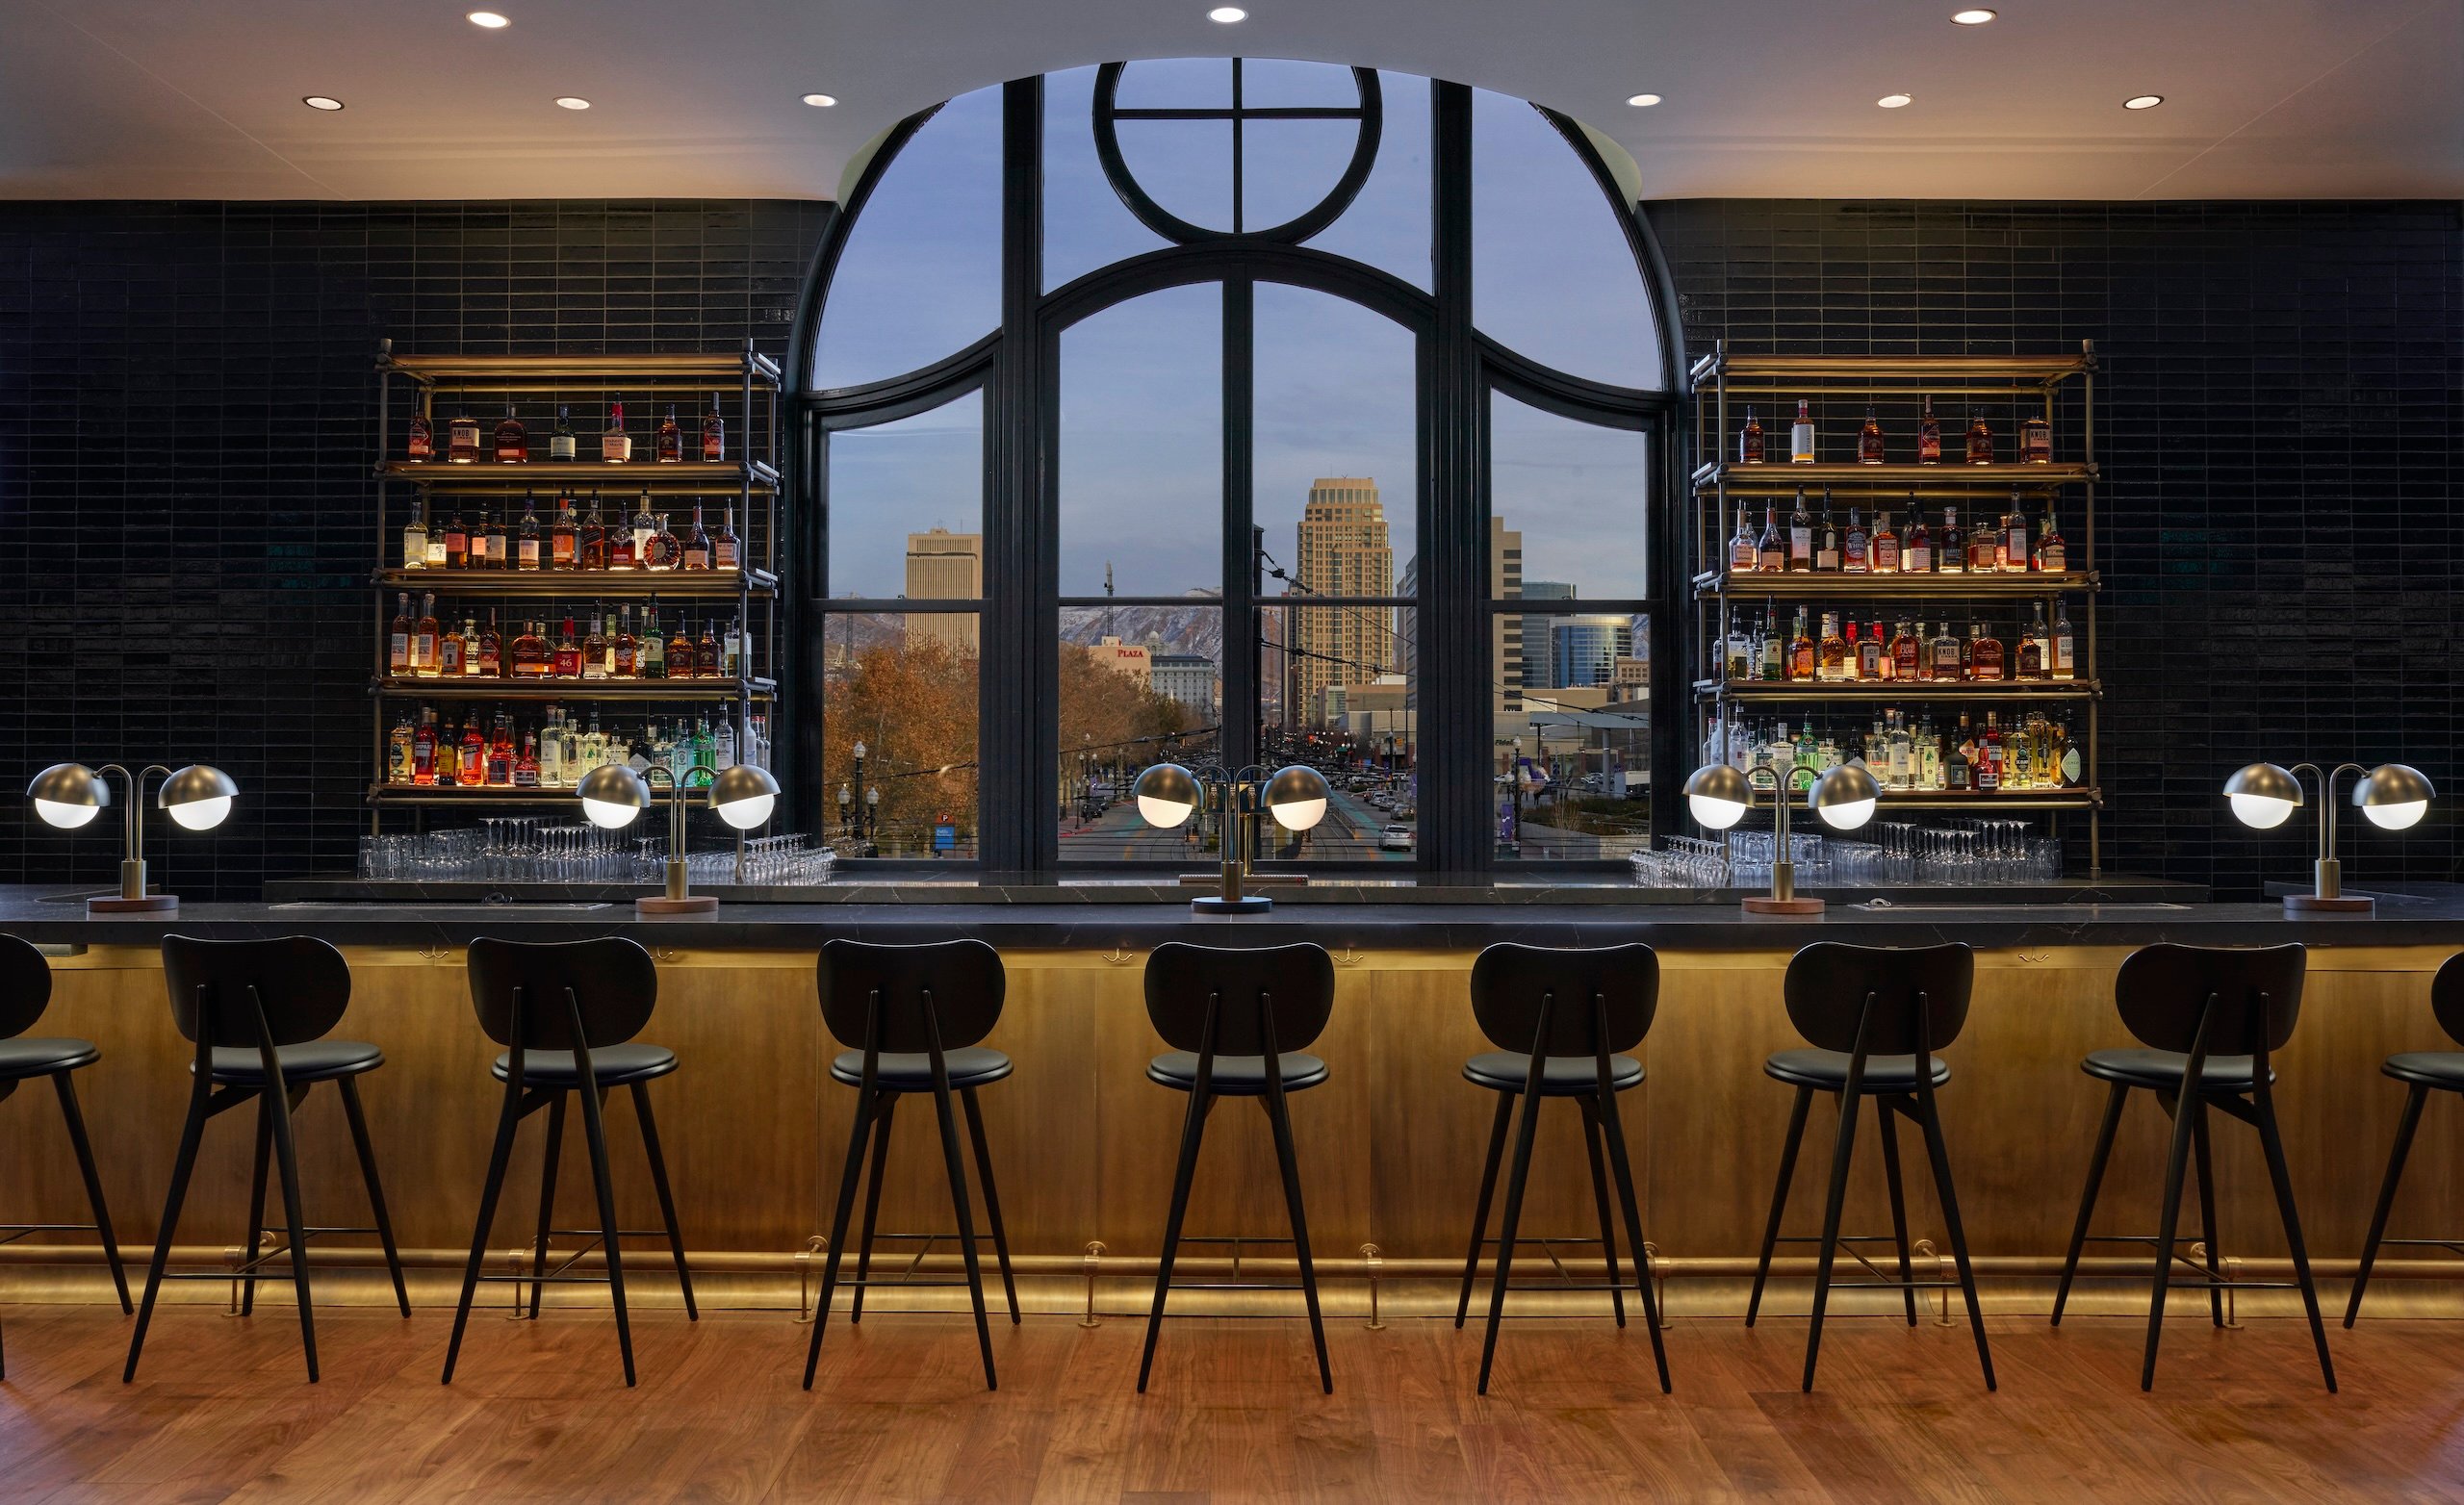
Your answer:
<point x="1348" y="958"/>
<point x="1121" y="955"/>
<point x="665" y="954"/>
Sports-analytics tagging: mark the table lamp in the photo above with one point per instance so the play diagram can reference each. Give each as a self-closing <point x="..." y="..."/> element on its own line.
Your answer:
<point x="615" y="795"/>
<point x="70" y="794"/>
<point x="1296" y="797"/>
<point x="2264" y="796"/>
<point x="1719" y="794"/>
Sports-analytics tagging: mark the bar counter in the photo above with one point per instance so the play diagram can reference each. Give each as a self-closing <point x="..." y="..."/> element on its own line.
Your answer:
<point x="1390" y="1147"/>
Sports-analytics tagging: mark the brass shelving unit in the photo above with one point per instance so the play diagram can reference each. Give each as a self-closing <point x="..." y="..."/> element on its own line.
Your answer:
<point x="2063" y="388"/>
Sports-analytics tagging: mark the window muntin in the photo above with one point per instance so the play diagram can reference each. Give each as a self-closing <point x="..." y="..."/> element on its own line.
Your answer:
<point x="1141" y="447"/>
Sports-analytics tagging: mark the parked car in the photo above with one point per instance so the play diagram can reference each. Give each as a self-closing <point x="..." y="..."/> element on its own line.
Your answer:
<point x="1395" y="839"/>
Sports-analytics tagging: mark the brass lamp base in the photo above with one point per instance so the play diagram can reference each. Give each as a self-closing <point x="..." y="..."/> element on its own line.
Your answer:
<point x="149" y="904"/>
<point x="1764" y="904"/>
<point x="1247" y="903"/>
<point x="691" y="904"/>
<point x="2313" y="903"/>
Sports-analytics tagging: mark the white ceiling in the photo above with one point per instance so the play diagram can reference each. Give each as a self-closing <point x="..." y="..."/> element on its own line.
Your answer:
<point x="2265" y="98"/>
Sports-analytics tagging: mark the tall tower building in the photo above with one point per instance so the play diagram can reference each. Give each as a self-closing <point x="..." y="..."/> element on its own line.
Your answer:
<point x="1343" y="552"/>
<point x="944" y="566"/>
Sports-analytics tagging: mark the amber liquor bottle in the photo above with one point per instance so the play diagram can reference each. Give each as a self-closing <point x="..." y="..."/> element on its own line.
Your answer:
<point x="1907" y="656"/>
<point x="615" y="446"/>
<point x="714" y="433"/>
<point x="512" y="440"/>
<point x="1801" y="651"/>
<point x="1917" y="558"/>
<point x="1832" y="662"/>
<point x="2053" y="552"/>
<point x="624" y="653"/>
<point x="567" y="664"/>
<point x="727" y="550"/>
<point x="423" y="748"/>
<point x="590" y="544"/>
<point x="526" y="553"/>
<point x="1826" y="548"/>
<point x="1983" y="654"/>
<point x="1871" y="655"/>
<point x="420" y="444"/>
<point x="1856" y="549"/>
<point x="1770" y="550"/>
<point x="564" y="538"/>
<point x="531" y="655"/>
<point x="1950" y="551"/>
<point x="1980" y="439"/>
<point x="697" y="544"/>
<point x="594" y="648"/>
<point x="705" y="658"/>
<point x="462" y="440"/>
<point x="1869" y="439"/>
<point x="1749" y="440"/>
<point x="2015" y="556"/>
<point x="2031" y="654"/>
<point x="492" y="541"/>
<point x="491" y="651"/>
<point x="669" y="444"/>
<point x="1742" y="554"/>
<point x="1800" y="436"/>
<point x="424" y="637"/>
<point x="2036" y="440"/>
<point x="1885" y="546"/>
<point x="398" y="641"/>
<point x="458" y="541"/>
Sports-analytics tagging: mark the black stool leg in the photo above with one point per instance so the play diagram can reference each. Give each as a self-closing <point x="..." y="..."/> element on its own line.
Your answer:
<point x="956" y="1164"/>
<point x="666" y="1195"/>
<point x="2167" y="1221"/>
<point x="1937" y="1150"/>
<point x="2088" y="1197"/>
<point x="286" y="1156"/>
<point x="551" y="1150"/>
<point x="367" y="1149"/>
<point x="1279" y="1114"/>
<point x="1887" y="1120"/>
<point x="2207" y="1225"/>
<point x="257" y="1203"/>
<point x="881" y="1119"/>
<point x="1480" y="1209"/>
<point x="1599" y="1202"/>
<point x="508" y="1119"/>
<point x="182" y="1165"/>
<point x="1516" y="1179"/>
<point x="1612" y="1129"/>
<point x="1779" y="1200"/>
<point x="1193" y="1135"/>
<point x="596" y="1133"/>
<point x="838" y="1227"/>
<point x="991" y="1199"/>
<point x="2282" y="1176"/>
<point x="1834" y="1203"/>
<point x="2404" y="1127"/>
<point x="77" y="1141"/>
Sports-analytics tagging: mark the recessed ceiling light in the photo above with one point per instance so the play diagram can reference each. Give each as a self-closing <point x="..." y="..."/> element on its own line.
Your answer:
<point x="320" y="102"/>
<point x="1971" y="17"/>
<point x="1896" y="101"/>
<point x="821" y="101"/>
<point x="1642" y="101"/>
<point x="2142" y="102"/>
<point x="1226" y="15"/>
<point x="574" y="102"/>
<point x="488" y="19"/>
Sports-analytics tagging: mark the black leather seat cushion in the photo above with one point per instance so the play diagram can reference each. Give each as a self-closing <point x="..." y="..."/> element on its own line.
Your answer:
<point x="1560" y="1076"/>
<point x="2140" y="1067"/>
<point x="1236" y="1076"/>
<point x="2434" y="1069"/>
<point x="968" y="1066"/>
<point x="1807" y="1067"/>
<point x="313" y="1060"/>
<point x="38" y="1057"/>
<point x="613" y="1065"/>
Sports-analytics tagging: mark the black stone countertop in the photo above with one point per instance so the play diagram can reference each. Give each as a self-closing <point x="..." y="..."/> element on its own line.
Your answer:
<point x="1474" y="918"/>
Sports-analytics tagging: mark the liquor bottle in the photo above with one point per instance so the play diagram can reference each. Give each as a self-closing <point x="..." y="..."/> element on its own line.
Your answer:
<point x="552" y="750"/>
<point x="1949" y="663"/>
<point x="661" y="551"/>
<point x="564" y="537"/>
<point x="621" y="646"/>
<point x="423" y="748"/>
<point x="471" y="769"/>
<point x="1856" y="550"/>
<point x="727" y="550"/>
<point x="568" y="660"/>
<point x="1885" y="546"/>
<point x="462" y="441"/>
<point x="1772" y="665"/>
<point x="1917" y="557"/>
<point x="513" y="441"/>
<point x="491" y="651"/>
<point x="2069" y="765"/>
<point x="500" y="752"/>
<point x="704" y="746"/>
<point x="1826" y="548"/>
<point x="2061" y="663"/>
<point x="723" y="745"/>
<point x="1800" y="537"/>
<point x="735" y="659"/>
<point x="398" y="643"/>
<point x="593" y="649"/>
<point x="1984" y="550"/>
<point x="1800" y="436"/>
<point x="449" y="755"/>
<point x="1869" y="655"/>
<point x="615" y="446"/>
<point x="697" y="544"/>
<point x="2053" y="552"/>
<point x="560" y="442"/>
<point x="652" y="658"/>
<point x="705" y="658"/>
<point x="1929" y="435"/>
<point x="1869" y="439"/>
<point x="644" y="525"/>
<point x="1904" y="654"/>
<point x="493" y="553"/>
<point x="452" y="653"/>
<point x="1903" y="752"/>
<point x="1989" y="763"/>
<point x="682" y="661"/>
<point x="398" y="752"/>
<point x="526" y="768"/>
<point x="526" y="550"/>
<point x="458" y="541"/>
<point x="1741" y="552"/>
<point x="590" y="544"/>
<point x="669" y="444"/>
<point x="1983" y="654"/>
<point x="2036" y="440"/>
<point x="1749" y="440"/>
<point x="714" y="434"/>
<point x="1950" y="554"/>
<point x="1739" y="659"/>
<point x="1801" y="651"/>
<point x="415" y="540"/>
<point x="1851" y="653"/>
<point x="2014" y="546"/>
<point x="2031" y="655"/>
<point x="420" y="444"/>
<point x="1959" y="766"/>
<point x="1770" y="550"/>
<point x="1832" y="662"/>
<point x="530" y="654"/>
<point x="1980" y="439"/>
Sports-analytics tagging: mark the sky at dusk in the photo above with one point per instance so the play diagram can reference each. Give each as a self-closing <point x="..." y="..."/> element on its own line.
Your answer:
<point x="1140" y="404"/>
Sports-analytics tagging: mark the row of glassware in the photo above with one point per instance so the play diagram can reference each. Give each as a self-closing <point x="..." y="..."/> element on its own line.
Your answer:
<point x="524" y="848"/>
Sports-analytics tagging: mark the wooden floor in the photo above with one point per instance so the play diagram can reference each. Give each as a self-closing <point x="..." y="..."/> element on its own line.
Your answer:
<point x="539" y="1413"/>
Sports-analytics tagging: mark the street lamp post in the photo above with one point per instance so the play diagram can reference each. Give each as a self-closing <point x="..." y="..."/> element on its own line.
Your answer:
<point x="872" y="819"/>
<point x="846" y="811"/>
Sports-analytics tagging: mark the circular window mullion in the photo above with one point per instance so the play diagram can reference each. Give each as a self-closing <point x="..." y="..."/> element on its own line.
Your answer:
<point x="1172" y="227"/>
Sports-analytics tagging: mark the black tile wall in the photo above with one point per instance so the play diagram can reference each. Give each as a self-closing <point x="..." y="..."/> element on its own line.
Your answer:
<point x="187" y="425"/>
<point x="2282" y="533"/>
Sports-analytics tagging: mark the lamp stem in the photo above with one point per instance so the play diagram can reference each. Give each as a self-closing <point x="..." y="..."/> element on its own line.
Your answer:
<point x="1783" y="868"/>
<point x="1229" y="834"/>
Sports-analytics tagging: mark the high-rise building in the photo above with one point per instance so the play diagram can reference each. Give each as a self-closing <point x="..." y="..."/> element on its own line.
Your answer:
<point x="1539" y="670"/>
<point x="944" y="566"/>
<point x="1343" y="552"/>
<point x="1189" y="678"/>
<point x="1585" y="649"/>
<point x="1509" y="637"/>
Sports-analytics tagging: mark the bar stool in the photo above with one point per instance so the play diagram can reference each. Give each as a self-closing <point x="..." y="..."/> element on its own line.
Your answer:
<point x="1237" y="1022"/>
<point x="25" y="992"/>
<point x="1559" y="1019"/>
<point x="260" y="1013"/>
<point x="2419" y="1071"/>
<point x="915" y="1017"/>
<point x="1873" y="1017"/>
<point x="567" y="1013"/>
<point x="2212" y="1015"/>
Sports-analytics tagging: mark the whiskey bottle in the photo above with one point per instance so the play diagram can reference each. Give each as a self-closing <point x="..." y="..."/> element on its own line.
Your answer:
<point x="1950" y="553"/>
<point x="624" y="653"/>
<point x="735" y="656"/>
<point x="644" y="526"/>
<point x="493" y="555"/>
<point x="1907" y="655"/>
<point x="1800" y="436"/>
<point x="423" y="640"/>
<point x="1741" y="552"/>
<point x="527" y="551"/>
<point x="1885" y="546"/>
<point x="423" y="748"/>
<point x="1984" y="550"/>
<point x="615" y="446"/>
<point x="491" y="651"/>
<point x="449" y="755"/>
<point x="398" y="643"/>
<point x="1834" y="650"/>
<point x="415" y="540"/>
<point x="2015" y="549"/>
<point x="1770" y="550"/>
<point x="705" y="656"/>
<point x="473" y="769"/>
<point x="1983" y="654"/>
<point x="2036" y="440"/>
<point x="1949" y="663"/>
<point x="652" y="657"/>
<point x="727" y="550"/>
<point x="1870" y="657"/>
<point x="568" y="660"/>
<point x="1988" y="759"/>
<point x="1801" y="651"/>
<point x="590" y="543"/>
<point x="1826" y="548"/>
<point x="398" y="750"/>
<point x="564" y="536"/>
<point x="697" y="544"/>
<point x="560" y="442"/>
<point x="714" y="434"/>
<point x="2053" y="553"/>
<point x="1959" y="767"/>
<point x="669" y="442"/>
<point x="1740" y="651"/>
<point x="2061" y="663"/>
<point x="462" y="441"/>
<point x="1929" y="435"/>
<point x="1773" y="664"/>
<point x="457" y="542"/>
<point x="662" y="553"/>
<point x="1856" y="549"/>
<point x="531" y="655"/>
<point x="2031" y="655"/>
<point x="1919" y="556"/>
<point x="513" y="441"/>
<point x="593" y="649"/>
<point x="1800" y="537"/>
<point x="453" y="652"/>
<point x="1980" y="439"/>
<point x="1869" y="439"/>
<point x="420" y="445"/>
<point x="1749" y="440"/>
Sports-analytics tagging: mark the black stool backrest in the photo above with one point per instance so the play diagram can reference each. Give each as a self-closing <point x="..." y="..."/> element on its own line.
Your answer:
<point x="25" y="985"/>
<point x="1296" y="984"/>
<point x="964" y="981"/>
<point x="2446" y="997"/>
<point x="519" y="990"/>
<point x="302" y="983"/>
<point x="2162" y="992"/>
<point x="1596" y="999"/>
<point x="1919" y="996"/>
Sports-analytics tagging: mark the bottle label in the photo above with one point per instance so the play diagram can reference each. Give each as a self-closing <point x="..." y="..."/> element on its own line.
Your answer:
<point x="560" y="446"/>
<point x="1920" y="559"/>
<point x="561" y="550"/>
<point x="449" y="657"/>
<point x="1801" y="444"/>
<point x="531" y="553"/>
<point x="2063" y="663"/>
<point x="616" y="447"/>
<point x="434" y="558"/>
<point x="2056" y="558"/>
<point x="1801" y="544"/>
<point x="726" y="553"/>
<point x="696" y="558"/>
<point x="2070" y="767"/>
<point x="399" y="652"/>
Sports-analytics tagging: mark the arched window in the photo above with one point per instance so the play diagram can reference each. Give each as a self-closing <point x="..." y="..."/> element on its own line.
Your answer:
<point x="1232" y="412"/>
